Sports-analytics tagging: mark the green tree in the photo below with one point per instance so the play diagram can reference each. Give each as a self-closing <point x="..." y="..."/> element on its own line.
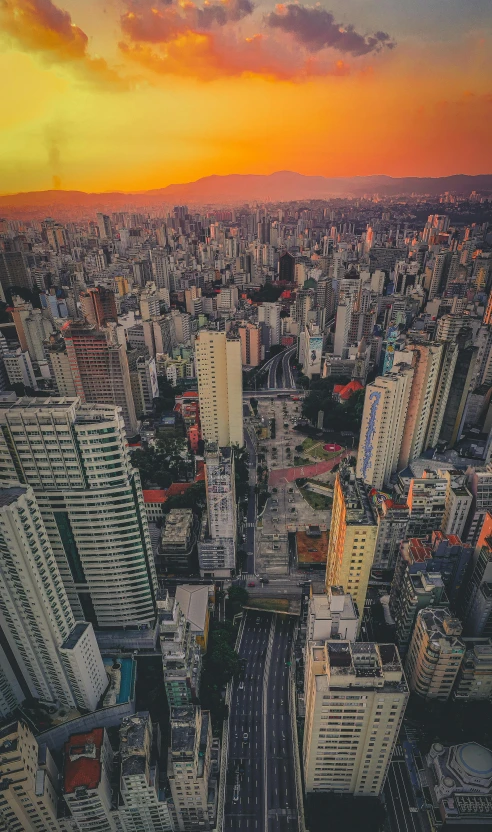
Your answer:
<point x="193" y="497"/>
<point x="237" y="597"/>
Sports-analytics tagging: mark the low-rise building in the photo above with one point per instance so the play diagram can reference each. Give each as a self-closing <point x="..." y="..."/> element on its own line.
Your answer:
<point x="195" y="601"/>
<point x="460" y="780"/>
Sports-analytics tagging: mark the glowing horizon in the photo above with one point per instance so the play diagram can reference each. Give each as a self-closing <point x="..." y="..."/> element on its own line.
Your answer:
<point x="138" y="95"/>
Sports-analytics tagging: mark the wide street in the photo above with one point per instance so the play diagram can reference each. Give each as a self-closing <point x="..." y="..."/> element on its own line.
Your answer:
<point x="261" y="789"/>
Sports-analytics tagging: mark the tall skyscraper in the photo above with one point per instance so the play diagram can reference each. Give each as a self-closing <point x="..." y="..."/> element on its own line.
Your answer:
<point x="355" y="696"/>
<point x="104" y="226"/>
<point x="269" y="314"/>
<point x="383" y="422"/>
<point x="250" y="336"/>
<point x="220" y="387"/>
<point x="426" y="366"/>
<point x="352" y="540"/>
<point x="76" y="459"/>
<point x="14" y="271"/>
<point x="51" y="657"/>
<point x="100" y="370"/>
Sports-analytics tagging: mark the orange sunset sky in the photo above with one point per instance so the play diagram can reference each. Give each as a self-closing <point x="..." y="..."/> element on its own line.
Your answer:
<point x="134" y="94"/>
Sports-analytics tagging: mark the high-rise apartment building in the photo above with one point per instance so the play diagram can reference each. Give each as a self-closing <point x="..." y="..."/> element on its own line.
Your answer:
<point x="355" y="696"/>
<point x="269" y="314"/>
<point x="435" y="654"/>
<point x="193" y="789"/>
<point x="480" y="485"/>
<point x="100" y="370"/>
<point x="353" y="536"/>
<point x="383" y="423"/>
<point x="87" y="781"/>
<point x="59" y="364"/>
<point x="46" y="653"/>
<point x="217" y="544"/>
<point x="104" y="226"/>
<point x="220" y="387"/>
<point x="98" y="306"/>
<point x="76" y="459"/>
<point x="427" y="503"/>
<point x="181" y="654"/>
<point x="426" y="365"/>
<point x="474" y="680"/>
<point x="143" y="809"/>
<point x="29" y="784"/>
<point x="392" y="521"/>
<point x="14" y="271"/>
<point x="458" y="503"/>
<point x="250" y="336"/>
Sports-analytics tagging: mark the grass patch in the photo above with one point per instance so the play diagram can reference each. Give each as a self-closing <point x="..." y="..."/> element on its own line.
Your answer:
<point x="315" y="449"/>
<point x="271" y="604"/>
<point x="317" y="501"/>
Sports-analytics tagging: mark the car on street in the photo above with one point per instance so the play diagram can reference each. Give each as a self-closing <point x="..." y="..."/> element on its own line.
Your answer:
<point x="241" y="685"/>
<point x="245" y="737"/>
<point x="251" y="583"/>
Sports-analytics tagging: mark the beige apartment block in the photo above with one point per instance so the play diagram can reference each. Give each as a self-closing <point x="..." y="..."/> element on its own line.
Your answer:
<point x="220" y="387"/>
<point x="435" y="654"/>
<point x="355" y="696"/>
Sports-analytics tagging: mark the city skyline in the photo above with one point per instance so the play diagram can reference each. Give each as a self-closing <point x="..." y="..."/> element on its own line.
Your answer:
<point x="135" y="95"/>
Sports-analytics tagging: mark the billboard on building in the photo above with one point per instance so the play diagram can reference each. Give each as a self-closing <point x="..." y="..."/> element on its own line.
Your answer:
<point x="154" y="385"/>
<point x="314" y="354"/>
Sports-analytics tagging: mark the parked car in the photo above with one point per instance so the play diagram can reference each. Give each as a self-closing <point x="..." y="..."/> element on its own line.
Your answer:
<point x="251" y="583"/>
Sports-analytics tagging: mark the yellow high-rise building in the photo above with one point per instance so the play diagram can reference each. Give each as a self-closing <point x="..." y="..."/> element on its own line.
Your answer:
<point x="353" y="535"/>
<point x="220" y="387"/>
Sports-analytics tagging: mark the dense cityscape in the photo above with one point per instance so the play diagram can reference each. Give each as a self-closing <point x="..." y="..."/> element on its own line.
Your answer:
<point x="246" y="516"/>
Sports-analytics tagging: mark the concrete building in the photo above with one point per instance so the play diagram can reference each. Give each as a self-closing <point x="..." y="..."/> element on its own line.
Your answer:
<point x="311" y="349"/>
<point x="426" y="364"/>
<point x="19" y="369"/>
<point x="474" y="680"/>
<point x="458" y="503"/>
<point x="427" y="503"/>
<point x="51" y="657"/>
<point x="217" y="545"/>
<point x="331" y="616"/>
<point x="181" y="653"/>
<point x="355" y="696"/>
<point x="143" y="808"/>
<point x="219" y="373"/>
<point x="59" y="364"/>
<point x="435" y="654"/>
<point x="383" y="422"/>
<point x="76" y="459"/>
<point x="177" y="541"/>
<point x="100" y="370"/>
<point x="193" y="789"/>
<point x="250" y="336"/>
<point x="353" y="536"/>
<point x="480" y="485"/>
<point x="98" y="306"/>
<point x="269" y="314"/>
<point x="29" y="782"/>
<point x="37" y="328"/>
<point x="460" y="781"/>
<point x="392" y="527"/>
<point x="195" y="601"/>
<point x="476" y="603"/>
<point x="87" y="788"/>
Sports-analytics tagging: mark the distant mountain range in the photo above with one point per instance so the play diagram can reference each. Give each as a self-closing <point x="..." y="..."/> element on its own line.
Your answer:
<point x="235" y="188"/>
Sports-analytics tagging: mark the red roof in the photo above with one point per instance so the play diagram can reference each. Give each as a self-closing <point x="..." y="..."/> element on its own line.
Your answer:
<point x="82" y="760"/>
<point x="190" y="394"/>
<point x="154" y="495"/>
<point x="177" y="488"/>
<point x="349" y="388"/>
<point x="200" y="471"/>
<point x="419" y="550"/>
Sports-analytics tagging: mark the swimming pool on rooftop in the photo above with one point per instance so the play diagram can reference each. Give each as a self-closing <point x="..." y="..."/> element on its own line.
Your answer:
<point x="127" y="682"/>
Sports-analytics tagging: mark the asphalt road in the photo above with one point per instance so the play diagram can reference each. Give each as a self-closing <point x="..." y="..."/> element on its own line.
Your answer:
<point x="260" y="792"/>
<point x="251" y="520"/>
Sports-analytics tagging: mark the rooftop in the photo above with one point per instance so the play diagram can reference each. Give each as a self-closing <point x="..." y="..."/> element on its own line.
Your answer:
<point x="193" y="600"/>
<point x="83" y="760"/>
<point x="10" y="495"/>
<point x="77" y="632"/>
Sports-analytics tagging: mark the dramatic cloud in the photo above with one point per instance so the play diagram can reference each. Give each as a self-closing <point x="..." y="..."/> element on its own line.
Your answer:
<point x="41" y="27"/>
<point x="316" y="29"/>
<point x="213" y="56"/>
<point x="148" y="24"/>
